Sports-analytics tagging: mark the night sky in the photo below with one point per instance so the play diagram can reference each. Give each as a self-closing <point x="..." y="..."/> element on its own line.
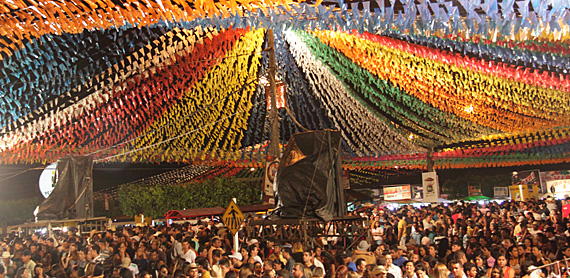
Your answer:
<point x="21" y="181"/>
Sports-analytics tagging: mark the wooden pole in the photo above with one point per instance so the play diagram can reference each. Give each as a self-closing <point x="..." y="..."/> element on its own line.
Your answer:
<point x="273" y="115"/>
<point x="430" y="160"/>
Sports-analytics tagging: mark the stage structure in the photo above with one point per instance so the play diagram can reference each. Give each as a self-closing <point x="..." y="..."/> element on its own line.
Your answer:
<point x="72" y="197"/>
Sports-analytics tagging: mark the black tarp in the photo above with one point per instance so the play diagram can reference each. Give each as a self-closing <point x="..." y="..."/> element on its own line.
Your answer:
<point x="308" y="181"/>
<point x="72" y="196"/>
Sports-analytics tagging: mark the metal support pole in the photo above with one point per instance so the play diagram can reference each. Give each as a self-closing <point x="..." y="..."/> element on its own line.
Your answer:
<point x="236" y="236"/>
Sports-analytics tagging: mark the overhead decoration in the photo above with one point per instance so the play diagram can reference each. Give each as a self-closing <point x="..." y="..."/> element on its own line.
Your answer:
<point x="477" y="84"/>
<point x="373" y="134"/>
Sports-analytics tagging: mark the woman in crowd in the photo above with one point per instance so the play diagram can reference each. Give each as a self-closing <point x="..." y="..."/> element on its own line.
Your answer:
<point x="497" y="272"/>
<point x="39" y="271"/>
<point x="491" y="237"/>
<point x="514" y="259"/>
<point x="440" y="271"/>
<point x="507" y="271"/>
<point x="409" y="270"/>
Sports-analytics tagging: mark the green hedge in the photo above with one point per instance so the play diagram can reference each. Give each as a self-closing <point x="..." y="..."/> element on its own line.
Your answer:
<point x="156" y="200"/>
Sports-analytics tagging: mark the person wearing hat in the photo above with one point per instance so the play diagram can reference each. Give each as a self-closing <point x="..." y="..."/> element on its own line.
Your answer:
<point x="6" y="262"/>
<point x="362" y="252"/>
<point x="380" y="271"/>
<point x="236" y="259"/>
<point x="192" y="271"/>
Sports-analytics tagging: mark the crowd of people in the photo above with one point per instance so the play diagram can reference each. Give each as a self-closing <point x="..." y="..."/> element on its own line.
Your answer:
<point x="456" y="240"/>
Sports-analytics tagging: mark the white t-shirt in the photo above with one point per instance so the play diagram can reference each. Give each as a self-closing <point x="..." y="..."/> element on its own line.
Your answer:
<point x="427" y="224"/>
<point x="190" y="256"/>
<point x="377" y="231"/>
<point x="317" y="263"/>
<point x="395" y="270"/>
<point x="134" y="269"/>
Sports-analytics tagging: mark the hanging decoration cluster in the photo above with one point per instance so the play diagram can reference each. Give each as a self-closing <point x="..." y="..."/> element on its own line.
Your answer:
<point x="484" y="84"/>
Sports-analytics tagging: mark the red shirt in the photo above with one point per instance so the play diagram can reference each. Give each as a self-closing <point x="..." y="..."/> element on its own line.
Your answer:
<point x="455" y="217"/>
<point x="565" y="210"/>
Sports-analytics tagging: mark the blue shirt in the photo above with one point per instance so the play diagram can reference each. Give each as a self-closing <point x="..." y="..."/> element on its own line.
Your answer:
<point x="351" y="266"/>
<point x="400" y="261"/>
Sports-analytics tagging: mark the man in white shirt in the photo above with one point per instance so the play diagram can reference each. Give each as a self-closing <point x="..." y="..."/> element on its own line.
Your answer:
<point x="310" y="260"/>
<point x="456" y="269"/>
<point x="393" y="269"/>
<point x="188" y="253"/>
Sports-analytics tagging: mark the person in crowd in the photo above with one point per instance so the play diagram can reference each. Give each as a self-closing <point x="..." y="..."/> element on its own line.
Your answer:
<point x="456" y="269"/>
<point x="482" y="266"/>
<point x="341" y="272"/>
<point x="470" y="270"/>
<point x="409" y="270"/>
<point x="497" y="272"/>
<point x="440" y="271"/>
<point x="347" y="260"/>
<point x="299" y="271"/>
<point x="469" y="239"/>
<point x="360" y="267"/>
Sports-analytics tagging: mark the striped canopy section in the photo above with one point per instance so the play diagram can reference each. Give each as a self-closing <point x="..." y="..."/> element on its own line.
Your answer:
<point x="469" y="84"/>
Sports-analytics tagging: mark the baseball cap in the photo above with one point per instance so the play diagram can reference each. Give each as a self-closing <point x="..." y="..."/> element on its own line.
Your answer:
<point x="253" y="241"/>
<point x="236" y="255"/>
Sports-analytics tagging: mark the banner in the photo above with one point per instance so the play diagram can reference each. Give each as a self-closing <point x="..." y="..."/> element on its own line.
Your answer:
<point x="516" y="193"/>
<point x="418" y="192"/>
<point x="559" y="188"/>
<point x="474" y="189"/>
<point x="430" y="184"/>
<point x="524" y="192"/>
<point x="501" y="192"/>
<point x="558" y="183"/>
<point x="531" y="179"/>
<point x="395" y="193"/>
<point x="269" y="179"/>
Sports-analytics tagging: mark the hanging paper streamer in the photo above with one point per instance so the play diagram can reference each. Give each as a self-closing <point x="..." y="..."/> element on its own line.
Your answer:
<point x="348" y="112"/>
<point x="484" y="83"/>
<point x="214" y="113"/>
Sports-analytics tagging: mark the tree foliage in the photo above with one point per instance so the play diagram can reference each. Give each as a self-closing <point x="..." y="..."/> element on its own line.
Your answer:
<point x="20" y="210"/>
<point x="156" y="200"/>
